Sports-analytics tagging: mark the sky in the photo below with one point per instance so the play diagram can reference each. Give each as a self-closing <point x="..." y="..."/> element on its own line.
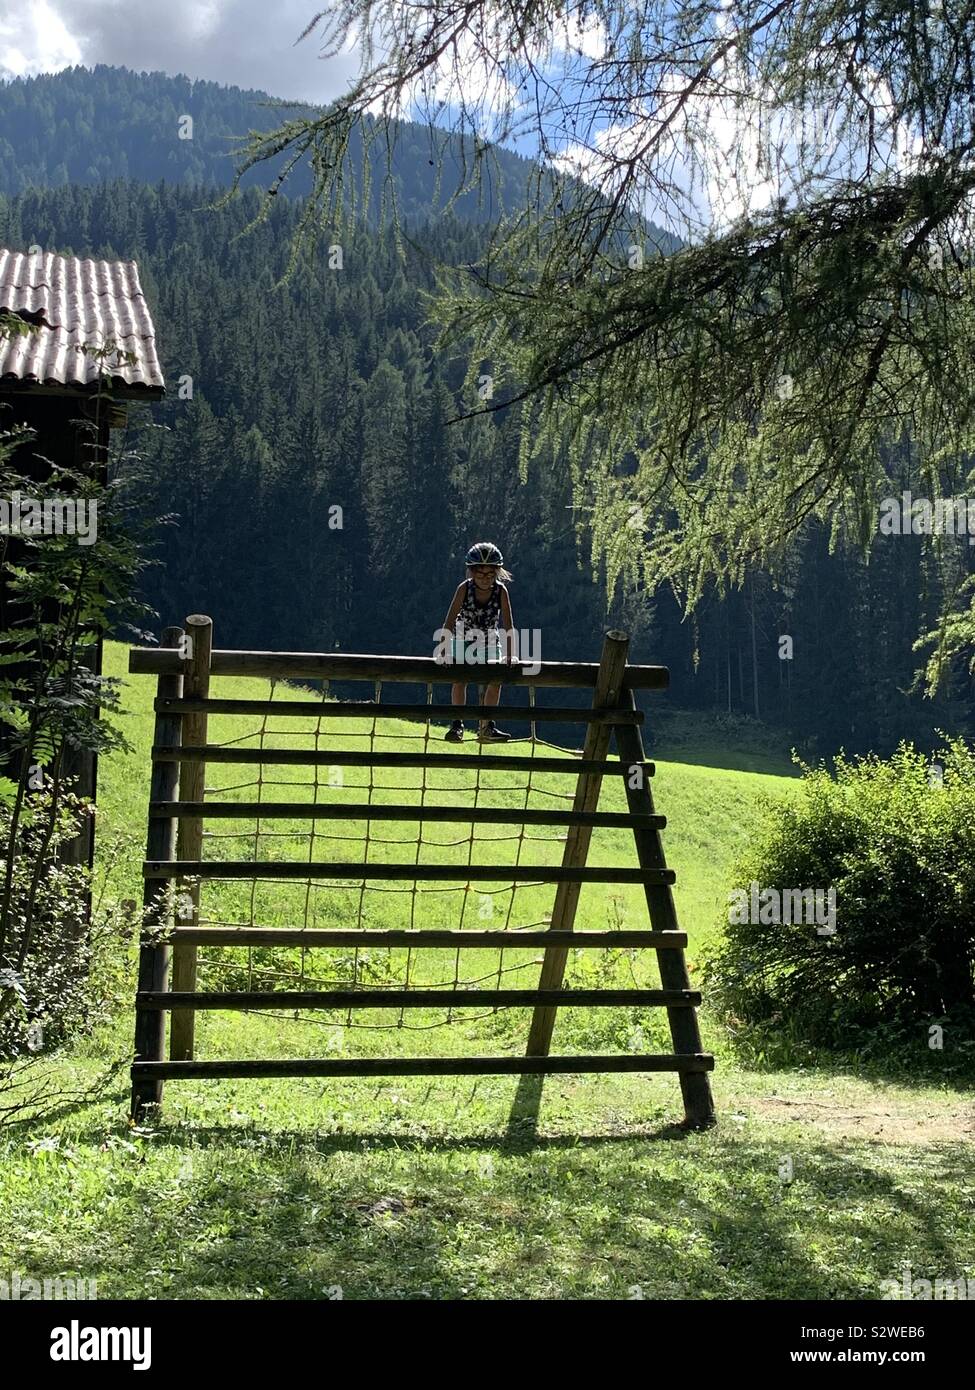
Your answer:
<point x="243" y="43"/>
<point x="253" y="44"/>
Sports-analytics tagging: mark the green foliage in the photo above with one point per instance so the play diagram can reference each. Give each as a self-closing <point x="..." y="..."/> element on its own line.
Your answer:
<point x="896" y="840"/>
<point x="62" y="598"/>
<point x="842" y="139"/>
<point x="12" y="325"/>
<point x="42" y="992"/>
<point x="330" y="391"/>
<point x="66" y="968"/>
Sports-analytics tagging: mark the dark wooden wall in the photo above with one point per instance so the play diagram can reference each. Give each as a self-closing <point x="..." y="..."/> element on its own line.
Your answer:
<point x="62" y="439"/>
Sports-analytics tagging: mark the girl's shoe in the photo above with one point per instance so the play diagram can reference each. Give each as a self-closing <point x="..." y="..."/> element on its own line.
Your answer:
<point x="490" y="733"/>
<point x="455" y="734"/>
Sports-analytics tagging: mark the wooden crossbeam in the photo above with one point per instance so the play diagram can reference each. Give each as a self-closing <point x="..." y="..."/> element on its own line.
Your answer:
<point x="464" y="815"/>
<point x="473" y="873"/>
<point x="410" y="670"/>
<point x="371" y="709"/>
<point x="411" y="938"/>
<point x="416" y="998"/>
<point x="308" y="757"/>
<point x="420" y="1066"/>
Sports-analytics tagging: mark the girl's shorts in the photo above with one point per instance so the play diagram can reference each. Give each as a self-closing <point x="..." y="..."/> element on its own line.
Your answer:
<point x="484" y="648"/>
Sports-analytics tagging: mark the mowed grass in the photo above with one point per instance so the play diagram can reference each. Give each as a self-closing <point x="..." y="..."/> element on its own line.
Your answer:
<point x="702" y="813"/>
<point x="816" y="1183"/>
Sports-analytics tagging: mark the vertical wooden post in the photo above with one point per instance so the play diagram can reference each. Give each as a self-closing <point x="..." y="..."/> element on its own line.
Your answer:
<point x="189" y="836"/>
<point x="684" y="1030"/>
<point x="150" y="1024"/>
<point x="609" y="682"/>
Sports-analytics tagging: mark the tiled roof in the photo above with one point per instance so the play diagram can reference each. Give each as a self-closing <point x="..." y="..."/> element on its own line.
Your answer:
<point x="77" y="302"/>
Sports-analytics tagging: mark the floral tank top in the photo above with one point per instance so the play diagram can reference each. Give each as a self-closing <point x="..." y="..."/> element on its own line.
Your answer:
<point x="486" y="616"/>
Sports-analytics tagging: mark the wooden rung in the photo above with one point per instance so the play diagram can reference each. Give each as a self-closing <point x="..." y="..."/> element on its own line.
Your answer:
<point x="411" y="670"/>
<point x="318" y="810"/>
<point x="423" y="1066"/>
<point x="419" y="998"/>
<point x="370" y="709"/>
<point x="474" y="873"/>
<point x="462" y="939"/>
<point x="308" y="757"/>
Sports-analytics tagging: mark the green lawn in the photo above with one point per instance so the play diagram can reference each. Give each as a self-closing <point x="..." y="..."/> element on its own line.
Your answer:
<point x="816" y="1183"/>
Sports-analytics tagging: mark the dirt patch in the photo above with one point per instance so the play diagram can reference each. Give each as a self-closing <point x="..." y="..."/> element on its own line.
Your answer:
<point x="880" y="1120"/>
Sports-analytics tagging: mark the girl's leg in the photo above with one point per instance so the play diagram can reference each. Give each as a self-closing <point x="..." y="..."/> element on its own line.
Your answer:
<point x="458" y="696"/>
<point x="491" y="697"/>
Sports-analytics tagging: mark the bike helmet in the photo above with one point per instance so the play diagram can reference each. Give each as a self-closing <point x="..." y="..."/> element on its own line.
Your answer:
<point x="484" y="553"/>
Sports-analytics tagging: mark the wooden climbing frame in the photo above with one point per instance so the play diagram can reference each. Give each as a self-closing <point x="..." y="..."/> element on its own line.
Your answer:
<point x="167" y="982"/>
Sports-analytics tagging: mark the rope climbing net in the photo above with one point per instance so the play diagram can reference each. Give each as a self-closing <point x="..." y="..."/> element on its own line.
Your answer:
<point x="505" y="906"/>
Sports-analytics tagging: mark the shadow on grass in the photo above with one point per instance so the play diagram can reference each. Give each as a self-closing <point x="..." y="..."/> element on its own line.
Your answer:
<point x="221" y="1211"/>
<point x="517" y="1138"/>
<point x="523" y="1118"/>
<point x="53" y="1107"/>
<point x="606" y="1217"/>
<point x="526" y="1107"/>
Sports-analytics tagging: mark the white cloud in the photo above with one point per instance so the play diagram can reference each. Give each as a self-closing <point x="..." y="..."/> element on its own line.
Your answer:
<point x="724" y="159"/>
<point x="466" y="79"/>
<point x="587" y="37"/>
<point x="246" y="43"/>
<point x="474" y="75"/>
<point x="35" y="39"/>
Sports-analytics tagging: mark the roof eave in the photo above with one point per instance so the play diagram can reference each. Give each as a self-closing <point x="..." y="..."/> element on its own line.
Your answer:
<point x="115" y="389"/>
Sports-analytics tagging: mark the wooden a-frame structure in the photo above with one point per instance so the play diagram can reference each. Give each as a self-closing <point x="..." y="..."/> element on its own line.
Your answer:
<point x="177" y="809"/>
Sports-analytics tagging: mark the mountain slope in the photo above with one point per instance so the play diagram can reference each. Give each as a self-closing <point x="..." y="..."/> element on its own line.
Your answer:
<point x="88" y="126"/>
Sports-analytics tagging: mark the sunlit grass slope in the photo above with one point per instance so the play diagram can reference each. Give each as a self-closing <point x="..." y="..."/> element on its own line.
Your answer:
<point x="816" y="1182"/>
<point x="709" y="814"/>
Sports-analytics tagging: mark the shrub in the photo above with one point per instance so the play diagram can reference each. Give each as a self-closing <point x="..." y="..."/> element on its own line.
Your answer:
<point x="896" y="840"/>
<point x="46" y="945"/>
<point x="65" y="970"/>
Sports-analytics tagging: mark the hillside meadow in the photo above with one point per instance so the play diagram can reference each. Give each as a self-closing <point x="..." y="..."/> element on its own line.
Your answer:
<point x="820" y="1180"/>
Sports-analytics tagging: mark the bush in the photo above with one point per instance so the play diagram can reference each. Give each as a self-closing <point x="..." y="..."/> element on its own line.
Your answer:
<point x="896" y="840"/>
<point x="44" y="960"/>
<point x="63" y="971"/>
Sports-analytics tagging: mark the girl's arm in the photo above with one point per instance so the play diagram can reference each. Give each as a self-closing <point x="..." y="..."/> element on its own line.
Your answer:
<point x="509" y="625"/>
<point x="443" y="638"/>
<point x="455" y="606"/>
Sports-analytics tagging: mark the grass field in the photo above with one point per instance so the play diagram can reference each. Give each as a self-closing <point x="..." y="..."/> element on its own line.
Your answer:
<point x="820" y="1181"/>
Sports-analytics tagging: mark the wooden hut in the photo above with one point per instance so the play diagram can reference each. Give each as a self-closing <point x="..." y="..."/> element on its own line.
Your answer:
<point x="53" y="380"/>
